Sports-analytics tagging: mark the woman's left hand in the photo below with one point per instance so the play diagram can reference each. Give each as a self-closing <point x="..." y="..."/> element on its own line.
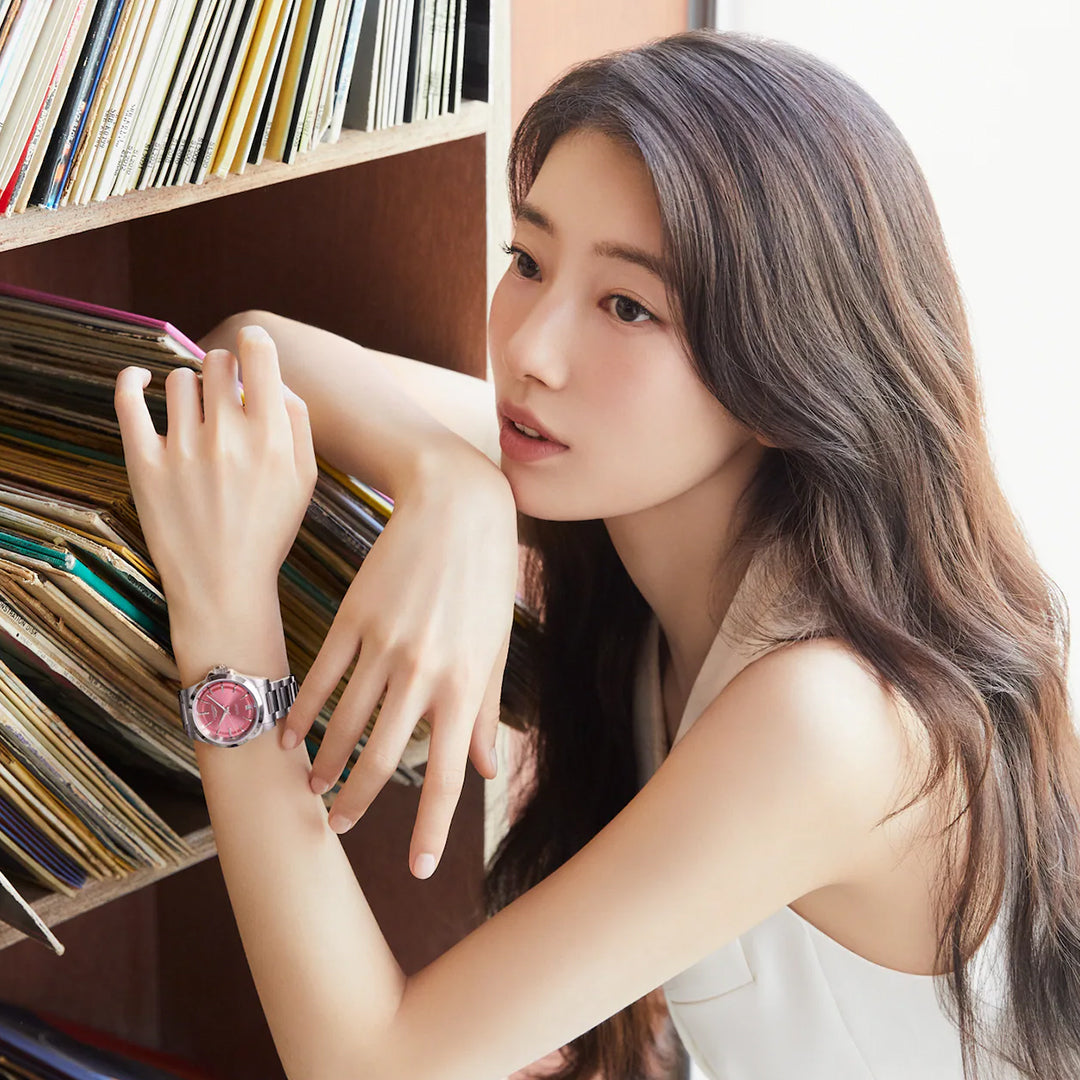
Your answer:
<point x="220" y="496"/>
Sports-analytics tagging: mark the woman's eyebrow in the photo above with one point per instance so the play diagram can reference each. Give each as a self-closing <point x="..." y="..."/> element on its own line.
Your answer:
<point x="638" y="256"/>
<point x="607" y="249"/>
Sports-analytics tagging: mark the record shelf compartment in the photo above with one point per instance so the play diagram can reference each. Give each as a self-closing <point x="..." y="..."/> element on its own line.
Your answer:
<point x="389" y="237"/>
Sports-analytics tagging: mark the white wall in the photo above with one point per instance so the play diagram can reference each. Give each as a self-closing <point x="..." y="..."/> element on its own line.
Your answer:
<point x="987" y="98"/>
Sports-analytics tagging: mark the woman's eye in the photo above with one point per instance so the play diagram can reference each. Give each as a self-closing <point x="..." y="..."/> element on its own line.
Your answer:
<point x="523" y="262"/>
<point x="630" y="311"/>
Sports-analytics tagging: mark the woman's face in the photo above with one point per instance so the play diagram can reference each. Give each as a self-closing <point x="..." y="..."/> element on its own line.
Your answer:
<point x="581" y="337"/>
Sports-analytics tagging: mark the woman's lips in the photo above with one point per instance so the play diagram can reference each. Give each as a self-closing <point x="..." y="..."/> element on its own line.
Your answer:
<point x="522" y="416"/>
<point x="521" y="447"/>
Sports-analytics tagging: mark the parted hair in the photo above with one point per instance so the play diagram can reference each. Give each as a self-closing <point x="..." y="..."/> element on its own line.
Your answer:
<point x="815" y="297"/>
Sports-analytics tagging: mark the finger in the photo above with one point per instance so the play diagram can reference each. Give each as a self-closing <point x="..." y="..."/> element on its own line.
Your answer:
<point x="348" y="720"/>
<point x="338" y="649"/>
<point x="482" y="749"/>
<point x="377" y="762"/>
<point x="183" y="406"/>
<point x="221" y="390"/>
<point x="137" y="432"/>
<point x="441" y="790"/>
<point x="264" y="398"/>
<point x="404" y="704"/>
<point x="303" y="446"/>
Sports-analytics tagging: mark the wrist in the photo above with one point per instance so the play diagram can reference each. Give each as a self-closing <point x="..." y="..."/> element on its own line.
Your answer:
<point x="450" y="459"/>
<point x="244" y="634"/>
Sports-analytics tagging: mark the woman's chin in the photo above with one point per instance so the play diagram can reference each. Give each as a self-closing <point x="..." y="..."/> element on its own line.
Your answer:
<point x="542" y="505"/>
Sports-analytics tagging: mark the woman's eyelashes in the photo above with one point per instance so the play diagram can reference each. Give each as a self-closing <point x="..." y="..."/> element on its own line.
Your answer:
<point x="626" y="309"/>
<point x="625" y="305"/>
<point x="519" y="256"/>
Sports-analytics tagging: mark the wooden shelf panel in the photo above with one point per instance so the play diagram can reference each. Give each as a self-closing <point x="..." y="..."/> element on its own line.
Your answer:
<point x="187" y="815"/>
<point x="37" y="224"/>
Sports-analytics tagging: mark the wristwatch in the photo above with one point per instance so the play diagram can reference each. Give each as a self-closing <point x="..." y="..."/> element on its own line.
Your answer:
<point x="228" y="708"/>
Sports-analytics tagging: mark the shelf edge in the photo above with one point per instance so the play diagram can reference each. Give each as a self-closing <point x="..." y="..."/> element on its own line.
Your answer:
<point x="37" y="225"/>
<point x="55" y="908"/>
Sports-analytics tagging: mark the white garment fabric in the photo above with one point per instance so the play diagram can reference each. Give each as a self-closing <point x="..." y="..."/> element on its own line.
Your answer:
<point x="784" y="1001"/>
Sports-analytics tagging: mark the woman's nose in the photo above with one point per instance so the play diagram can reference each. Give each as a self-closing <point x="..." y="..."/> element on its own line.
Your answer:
<point x="540" y="345"/>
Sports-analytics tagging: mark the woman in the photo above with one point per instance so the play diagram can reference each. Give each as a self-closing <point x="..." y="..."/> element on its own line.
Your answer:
<point x="802" y="746"/>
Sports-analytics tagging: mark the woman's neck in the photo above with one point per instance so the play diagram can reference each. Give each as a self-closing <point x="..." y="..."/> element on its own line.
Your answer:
<point x="678" y="554"/>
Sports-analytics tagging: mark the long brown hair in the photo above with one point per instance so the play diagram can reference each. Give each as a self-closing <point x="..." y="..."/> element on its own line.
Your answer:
<point x="817" y="301"/>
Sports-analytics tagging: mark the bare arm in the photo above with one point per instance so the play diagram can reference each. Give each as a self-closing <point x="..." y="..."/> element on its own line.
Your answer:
<point x="781" y="783"/>
<point x="373" y="413"/>
<point x="762" y="784"/>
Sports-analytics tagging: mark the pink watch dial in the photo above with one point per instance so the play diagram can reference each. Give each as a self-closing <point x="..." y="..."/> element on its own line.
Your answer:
<point x="225" y="710"/>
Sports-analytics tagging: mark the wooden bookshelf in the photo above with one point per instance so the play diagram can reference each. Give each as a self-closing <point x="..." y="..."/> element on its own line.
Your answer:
<point x="390" y="238"/>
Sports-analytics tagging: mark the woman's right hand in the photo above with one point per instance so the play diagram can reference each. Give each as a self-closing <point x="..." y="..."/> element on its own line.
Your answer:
<point x="430" y="613"/>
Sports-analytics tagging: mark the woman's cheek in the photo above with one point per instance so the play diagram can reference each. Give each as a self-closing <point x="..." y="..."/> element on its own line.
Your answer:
<point x="497" y="321"/>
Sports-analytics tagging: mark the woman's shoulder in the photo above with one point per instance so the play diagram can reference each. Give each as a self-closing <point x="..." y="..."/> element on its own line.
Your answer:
<point x="896" y="877"/>
<point x="824" y="683"/>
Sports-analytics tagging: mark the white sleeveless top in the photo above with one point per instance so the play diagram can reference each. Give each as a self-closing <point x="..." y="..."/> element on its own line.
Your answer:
<point x="784" y="1001"/>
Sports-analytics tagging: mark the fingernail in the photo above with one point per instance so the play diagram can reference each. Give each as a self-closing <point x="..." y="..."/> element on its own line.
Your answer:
<point x="146" y="377"/>
<point x="339" y="823"/>
<point x="319" y="786"/>
<point x="257" y="331"/>
<point x="494" y="760"/>
<point x="424" y="865"/>
<point x="289" y="739"/>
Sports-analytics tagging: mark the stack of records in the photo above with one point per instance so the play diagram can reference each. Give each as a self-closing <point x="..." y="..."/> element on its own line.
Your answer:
<point x="40" y="1046"/>
<point x="100" y="97"/>
<point x="86" y="666"/>
<point x="65" y="817"/>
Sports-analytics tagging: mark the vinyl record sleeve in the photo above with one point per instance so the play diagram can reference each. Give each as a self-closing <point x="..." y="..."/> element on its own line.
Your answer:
<point x="124" y="838"/>
<point x="386" y="62"/>
<point x="92" y="131"/>
<point x="22" y="184"/>
<point x="149" y="56"/>
<point x="176" y="93"/>
<point x="281" y="122"/>
<point x="74" y="112"/>
<point x="128" y="48"/>
<point x="260" y="136"/>
<point x="208" y="92"/>
<point x="119" y="712"/>
<point x="89" y="628"/>
<point x="32" y="827"/>
<point x="315" y="82"/>
<point x="18" y="69"/>
<point x="18" y="913"/>
<point x="148" y="110"/>
<point x="20" y="35"/>
<point x="106" y="318"/>
<point x="345" y="69"/>
<point x="250" y="141"/>
<point x="172" y="169"/>
<point x="255" y="65"/>
<point x="225" y="91"/>
<point x="124" y="820"/>
<point x="130" y="705"/>
<point x="291" y="144"/>
<point x="26" y="107"/>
